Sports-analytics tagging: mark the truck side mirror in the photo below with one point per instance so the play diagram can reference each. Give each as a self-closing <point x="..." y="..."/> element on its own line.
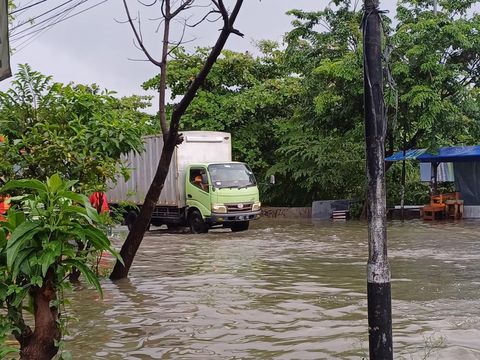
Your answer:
<point x="272" y="179"/>
<point x="204" y="179"/>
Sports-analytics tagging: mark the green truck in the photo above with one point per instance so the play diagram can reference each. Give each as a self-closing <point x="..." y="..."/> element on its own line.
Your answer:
<point x="204" y="188"/>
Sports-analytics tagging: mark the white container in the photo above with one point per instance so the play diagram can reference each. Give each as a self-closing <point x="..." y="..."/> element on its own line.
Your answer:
<point x="198" y="147"/>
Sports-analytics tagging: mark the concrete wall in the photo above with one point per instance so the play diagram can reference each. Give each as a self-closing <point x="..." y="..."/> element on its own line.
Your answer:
<point x="471" y="212"/>
<point x="322" y="210"/>
<point x="287" y="213"/>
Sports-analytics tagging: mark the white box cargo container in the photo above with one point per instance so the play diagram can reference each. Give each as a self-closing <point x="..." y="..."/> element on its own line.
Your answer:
<point x="198" y="147"/>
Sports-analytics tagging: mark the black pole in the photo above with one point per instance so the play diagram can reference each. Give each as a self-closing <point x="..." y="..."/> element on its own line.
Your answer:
<point x="404" y="171"/>
<point x="435" y="177"/>
<point x="5" y="70"/>
<point x="378" y="269"/>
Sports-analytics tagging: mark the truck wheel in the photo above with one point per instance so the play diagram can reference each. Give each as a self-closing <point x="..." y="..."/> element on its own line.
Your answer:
<point x="172" y="227"/>
<point x="130" y="219"/>
<point x="240" y="226"/>
<point x="196" y="223"/>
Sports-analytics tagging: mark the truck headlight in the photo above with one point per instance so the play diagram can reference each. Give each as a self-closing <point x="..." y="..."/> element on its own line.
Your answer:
<point x="219" y="208"/>
<point x="256" y="206"/>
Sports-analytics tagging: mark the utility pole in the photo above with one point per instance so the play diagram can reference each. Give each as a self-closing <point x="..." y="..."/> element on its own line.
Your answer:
<point x="378" y="269"/>
<point x="435" y="7"/>
<point x="5" y="70"/>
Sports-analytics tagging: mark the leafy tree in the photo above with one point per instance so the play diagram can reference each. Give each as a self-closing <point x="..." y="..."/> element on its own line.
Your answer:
<point x="37" y="251"/>
<point x="436" y="64"/>
<point x="283" y="118"/>
<point x="298" y="112"/>
<point x="433" y="98"/>
<point x="322" y="151"/>
<point x="77" y="131"/>
<point x="245" y="95"/>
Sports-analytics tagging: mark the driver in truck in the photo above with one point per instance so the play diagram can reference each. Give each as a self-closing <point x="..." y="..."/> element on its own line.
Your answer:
<point x="198" y="182"/>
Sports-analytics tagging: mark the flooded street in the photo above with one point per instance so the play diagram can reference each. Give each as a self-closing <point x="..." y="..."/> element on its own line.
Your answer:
<point x="285" y="290"/>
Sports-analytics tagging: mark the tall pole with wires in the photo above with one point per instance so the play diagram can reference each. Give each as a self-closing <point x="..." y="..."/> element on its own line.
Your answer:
<point x="378" y="269"/>
<point x="5" y="71"/>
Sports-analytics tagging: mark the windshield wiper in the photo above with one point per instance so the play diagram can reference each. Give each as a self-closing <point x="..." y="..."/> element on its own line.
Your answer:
<point x="246" y="186"/>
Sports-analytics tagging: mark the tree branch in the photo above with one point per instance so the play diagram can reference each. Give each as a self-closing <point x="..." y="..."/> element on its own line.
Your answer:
<point x="140" y="42"/>
<point x="201" y="20"/>
<point x="186" y="5"/>
<point x="227" y="29"/>
<point x="148" y="5"/>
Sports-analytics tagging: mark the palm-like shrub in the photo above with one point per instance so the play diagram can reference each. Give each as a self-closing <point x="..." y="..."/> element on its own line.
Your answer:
<point x="48" y="232"/>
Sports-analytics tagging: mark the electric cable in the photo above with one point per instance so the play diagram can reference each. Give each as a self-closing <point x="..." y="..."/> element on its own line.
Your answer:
<point x="39" y="16"/>
<point x="26" y="7"/>
<point x="14" y="36"/>
<point x="39" y="32"/>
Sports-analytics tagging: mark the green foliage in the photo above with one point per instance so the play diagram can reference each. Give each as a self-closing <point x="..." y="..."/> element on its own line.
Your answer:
<point x="434" y="61"/>
<point x="245" y="95"/>
<point x="436" y="67"/>
<point x="322" y="149"/>
<point x="39" y="242"/>
<point x="10" y="6"/>
<point x="75" y="130"/>
<point x="297" y="112"/>
<point x="416" y="192"/>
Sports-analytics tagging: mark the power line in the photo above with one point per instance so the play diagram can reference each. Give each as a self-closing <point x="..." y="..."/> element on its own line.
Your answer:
<point x="36" y="33"/>
<point x="42" y="14"/>
<point x="53" y="20"/>
<point x="27" y="7"/>
<point x="15" y="35"/>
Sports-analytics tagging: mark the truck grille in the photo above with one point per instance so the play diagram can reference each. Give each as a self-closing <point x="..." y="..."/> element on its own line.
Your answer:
<point x="240" y="207"/>
<point x="166" y="212"/>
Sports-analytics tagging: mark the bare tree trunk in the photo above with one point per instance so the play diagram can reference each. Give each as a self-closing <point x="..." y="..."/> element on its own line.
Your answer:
<point x="40" y="344"/>
<point x="163" y="72"/>
<point x="135" y="237"/>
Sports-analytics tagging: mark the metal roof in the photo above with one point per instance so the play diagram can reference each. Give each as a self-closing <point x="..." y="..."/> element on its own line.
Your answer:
<point x="412" y="154"/>
<point x="445" y="154"/>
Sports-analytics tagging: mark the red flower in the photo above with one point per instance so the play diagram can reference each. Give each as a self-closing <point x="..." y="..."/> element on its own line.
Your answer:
<point x="4" y="206"/>
<point x="99" y="201"/>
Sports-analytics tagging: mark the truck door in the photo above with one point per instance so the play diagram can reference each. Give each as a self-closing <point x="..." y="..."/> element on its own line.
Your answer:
<point x="198" y="190"/>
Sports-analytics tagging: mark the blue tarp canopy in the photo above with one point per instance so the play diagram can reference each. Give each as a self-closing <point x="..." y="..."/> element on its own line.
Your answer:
<point x="409" y="155"/>
<point x="445" y="154"/>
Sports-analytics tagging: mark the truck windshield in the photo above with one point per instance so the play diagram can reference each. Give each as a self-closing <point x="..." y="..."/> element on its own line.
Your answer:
<point x="231" y="176"/>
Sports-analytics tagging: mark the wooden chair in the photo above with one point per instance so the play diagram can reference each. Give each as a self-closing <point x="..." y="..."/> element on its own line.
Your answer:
<point x="454" y="209"/>
<point x="432" y="211"/>
<point x="443" y="205"/>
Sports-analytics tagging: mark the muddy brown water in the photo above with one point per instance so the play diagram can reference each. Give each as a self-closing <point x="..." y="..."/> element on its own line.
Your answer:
<point x="285" y="290"/>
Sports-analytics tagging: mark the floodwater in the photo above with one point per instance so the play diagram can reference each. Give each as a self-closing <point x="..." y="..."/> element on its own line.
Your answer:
<point x="285" y="290"/>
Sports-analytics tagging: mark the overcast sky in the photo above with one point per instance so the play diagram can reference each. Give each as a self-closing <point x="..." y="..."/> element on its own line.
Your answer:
<point x="93" y="48"/>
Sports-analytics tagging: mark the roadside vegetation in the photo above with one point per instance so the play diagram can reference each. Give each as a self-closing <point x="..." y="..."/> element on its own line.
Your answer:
<point x="59" y="144"/>
<point x="49" y="232"/>
<point x="295" y="109"/>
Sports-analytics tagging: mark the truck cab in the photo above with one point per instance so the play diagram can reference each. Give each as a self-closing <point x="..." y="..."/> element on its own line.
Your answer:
<point x="224" y="194"/>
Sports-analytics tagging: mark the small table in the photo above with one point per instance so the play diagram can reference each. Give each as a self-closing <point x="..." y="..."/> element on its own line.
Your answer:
<point x="454" y="209"/>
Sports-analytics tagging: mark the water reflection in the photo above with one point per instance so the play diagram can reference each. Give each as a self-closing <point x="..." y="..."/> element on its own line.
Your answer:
<point x="285" y="290"/>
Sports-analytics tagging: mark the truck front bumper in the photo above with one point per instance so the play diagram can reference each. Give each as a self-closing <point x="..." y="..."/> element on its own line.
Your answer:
<point x="229" y="217"/>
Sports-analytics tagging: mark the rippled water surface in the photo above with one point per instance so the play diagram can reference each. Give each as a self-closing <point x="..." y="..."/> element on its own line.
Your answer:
<point x="285" y="290"/>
